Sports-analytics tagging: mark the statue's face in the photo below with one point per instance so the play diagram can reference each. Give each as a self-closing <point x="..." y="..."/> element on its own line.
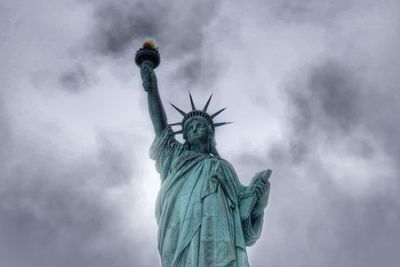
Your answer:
<point x="196" y="131"/>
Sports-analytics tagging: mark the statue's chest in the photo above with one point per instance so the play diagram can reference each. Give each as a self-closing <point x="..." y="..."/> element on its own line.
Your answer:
<point x="193" y="171"/>
<point x="189" y="160"/>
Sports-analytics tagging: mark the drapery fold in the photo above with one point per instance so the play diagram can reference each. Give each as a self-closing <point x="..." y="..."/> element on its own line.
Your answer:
<point x="197" y="208"/>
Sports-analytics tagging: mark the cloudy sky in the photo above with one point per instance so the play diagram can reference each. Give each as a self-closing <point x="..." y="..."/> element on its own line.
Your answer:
<point x="312" y="86"/>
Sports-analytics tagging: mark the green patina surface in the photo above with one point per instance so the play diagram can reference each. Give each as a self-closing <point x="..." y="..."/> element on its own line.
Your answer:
<point x="206" y="217"/>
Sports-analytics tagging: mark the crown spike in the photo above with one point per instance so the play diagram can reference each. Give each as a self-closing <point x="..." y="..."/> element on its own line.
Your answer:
<point x="216" y="113"/>
<point x="178" y="132"/>
<point x="191" y="102"/>
<point x="176" y="123"/>
<point x="222" y="123"/>
<point x="179" y="110"/>
<point x="208" y="102"/>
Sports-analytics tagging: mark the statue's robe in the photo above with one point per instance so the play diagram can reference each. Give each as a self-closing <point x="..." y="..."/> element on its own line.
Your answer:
<point x="197" y="208"/>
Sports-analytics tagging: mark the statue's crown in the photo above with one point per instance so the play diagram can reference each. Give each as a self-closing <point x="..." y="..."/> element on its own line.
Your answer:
<point x="198" y="113"/>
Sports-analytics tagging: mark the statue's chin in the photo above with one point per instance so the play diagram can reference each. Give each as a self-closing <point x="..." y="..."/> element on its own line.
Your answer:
<point x="197" y="141"/>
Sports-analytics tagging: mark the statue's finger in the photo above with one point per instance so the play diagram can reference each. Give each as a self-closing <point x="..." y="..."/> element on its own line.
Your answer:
<point x="261" y="188"/>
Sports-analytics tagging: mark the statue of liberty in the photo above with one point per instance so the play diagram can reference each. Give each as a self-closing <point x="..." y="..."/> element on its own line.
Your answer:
<point x="205" y="216"/>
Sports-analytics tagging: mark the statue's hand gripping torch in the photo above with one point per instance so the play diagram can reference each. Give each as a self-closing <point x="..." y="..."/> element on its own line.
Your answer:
<point x="148" y="58"/>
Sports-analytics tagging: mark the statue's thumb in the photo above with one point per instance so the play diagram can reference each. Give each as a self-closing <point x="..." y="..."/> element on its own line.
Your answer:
<point x="267" y="175"/>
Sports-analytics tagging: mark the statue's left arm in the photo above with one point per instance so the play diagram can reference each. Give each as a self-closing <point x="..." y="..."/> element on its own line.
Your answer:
<point x="253" y="199"/>
<point x="260" y="187"/>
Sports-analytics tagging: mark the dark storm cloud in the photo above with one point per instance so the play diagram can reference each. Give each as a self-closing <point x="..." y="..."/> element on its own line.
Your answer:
<point x="328" y="99"/>
<point x="365" y="229"/>
<point x="383" y="114"/>
<point x="312" y="12"/>
<point x="54" y="210"/>
<point x="319" y="223"/>
<point x="353" y="230"/>
<point x="325" y="224"/>
<point x="9" y="21"/>
<point x="335" y="90"/>
<point x="75" y="79"/>
<point x="335" y="100"/>
<point x="116" y="161"/>
<point x="341" y="108"/>
<point x="121" y="26"/>
<point x="339" y="96"/>
<point x="5" y="131"/>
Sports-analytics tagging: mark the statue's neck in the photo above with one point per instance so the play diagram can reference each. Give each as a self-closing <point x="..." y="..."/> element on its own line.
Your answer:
<point x="200" y="148"/>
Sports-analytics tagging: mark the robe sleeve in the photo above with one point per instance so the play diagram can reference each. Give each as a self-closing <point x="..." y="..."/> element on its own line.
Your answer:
<point x="253" y="223"/>
<point x="164" y="149"/>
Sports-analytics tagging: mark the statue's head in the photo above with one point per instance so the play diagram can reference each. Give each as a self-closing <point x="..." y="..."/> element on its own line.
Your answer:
<point x="198" y="126"/>
<point x="197" y="130"/>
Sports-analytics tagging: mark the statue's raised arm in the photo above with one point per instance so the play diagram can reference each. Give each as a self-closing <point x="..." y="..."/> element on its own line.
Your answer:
<point x="148" y="59"/>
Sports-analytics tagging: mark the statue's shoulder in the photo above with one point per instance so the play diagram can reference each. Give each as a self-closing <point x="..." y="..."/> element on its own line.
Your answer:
<point x="224" y="162"/>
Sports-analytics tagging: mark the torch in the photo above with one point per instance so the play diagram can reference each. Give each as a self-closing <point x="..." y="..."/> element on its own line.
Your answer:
<point x="148" y="52"/>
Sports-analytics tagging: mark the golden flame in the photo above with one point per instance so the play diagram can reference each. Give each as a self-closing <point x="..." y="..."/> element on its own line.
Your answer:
<point x="149" y="44"/>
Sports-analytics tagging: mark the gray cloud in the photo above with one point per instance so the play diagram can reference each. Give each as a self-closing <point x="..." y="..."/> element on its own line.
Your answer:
<point x="334" y="100"/>
<point x="342" y="107"/>
<point x="328" y="98"/>
<point x="333" y="105"/>
<point x="310" y="12"/>
<point x="5" y="131"/>
<point x="120" y="27"/>
<point x="325" y="102"/>
<point x="335" y="92"/>
<point x="68" y="207"/>
<point x="320" y="224"/>
<point x="75" y="79"/>
<point x="54" y="209"/>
